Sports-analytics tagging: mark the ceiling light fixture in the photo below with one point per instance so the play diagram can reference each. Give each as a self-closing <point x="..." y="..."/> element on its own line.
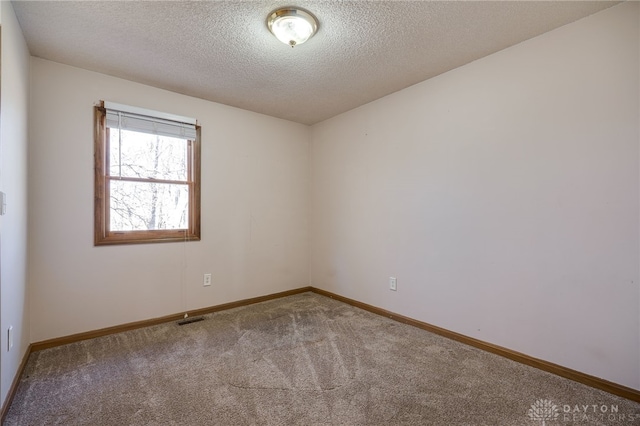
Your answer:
<point x="292" y="26"/>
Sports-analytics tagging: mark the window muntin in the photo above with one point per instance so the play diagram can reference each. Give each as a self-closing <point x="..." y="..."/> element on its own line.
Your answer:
<point x="147" y="179"/>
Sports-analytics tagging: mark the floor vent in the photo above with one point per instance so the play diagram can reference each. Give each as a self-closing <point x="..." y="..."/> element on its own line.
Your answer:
<point x="190" y="320"/>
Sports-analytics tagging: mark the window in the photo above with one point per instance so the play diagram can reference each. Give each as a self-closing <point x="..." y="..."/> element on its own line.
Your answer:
<point x="147" y="176"/>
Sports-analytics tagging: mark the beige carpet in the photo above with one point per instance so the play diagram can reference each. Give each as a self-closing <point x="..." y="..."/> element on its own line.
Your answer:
<point x="300" y="360"/>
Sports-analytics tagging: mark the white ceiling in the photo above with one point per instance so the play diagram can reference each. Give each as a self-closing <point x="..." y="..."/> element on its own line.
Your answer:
<point x="222" y="50"/>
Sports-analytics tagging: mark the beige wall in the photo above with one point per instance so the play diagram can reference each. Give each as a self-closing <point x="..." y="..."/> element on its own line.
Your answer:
<point x="503" y="195"/>
<point x="254" y="210"/>
<point x="14" y="98"/>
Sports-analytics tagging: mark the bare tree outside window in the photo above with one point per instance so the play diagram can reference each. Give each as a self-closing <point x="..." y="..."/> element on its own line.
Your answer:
<point x="143" y="205"/>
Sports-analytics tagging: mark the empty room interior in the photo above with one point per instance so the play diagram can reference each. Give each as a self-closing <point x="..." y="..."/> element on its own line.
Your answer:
<point x="459" y="173"/>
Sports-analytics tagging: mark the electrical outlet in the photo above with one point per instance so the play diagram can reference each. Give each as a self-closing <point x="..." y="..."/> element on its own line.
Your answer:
<point x="9" y="338"/>
<point x="207" y="280"/>
<point x="393" y="283"/>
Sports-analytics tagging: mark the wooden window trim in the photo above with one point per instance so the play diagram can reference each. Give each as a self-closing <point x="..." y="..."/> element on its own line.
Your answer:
<point x="102" y="234"/>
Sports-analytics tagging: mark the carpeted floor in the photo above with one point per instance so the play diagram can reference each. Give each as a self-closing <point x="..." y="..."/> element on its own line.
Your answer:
<point x="301" y="360"/>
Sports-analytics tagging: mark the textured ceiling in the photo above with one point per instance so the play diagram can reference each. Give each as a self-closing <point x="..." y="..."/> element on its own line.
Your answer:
<point x="222" y="50"/>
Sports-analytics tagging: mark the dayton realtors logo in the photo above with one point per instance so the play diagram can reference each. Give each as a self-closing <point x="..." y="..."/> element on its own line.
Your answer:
<point x="545" y="410"/>
<point x="596" y="412"/>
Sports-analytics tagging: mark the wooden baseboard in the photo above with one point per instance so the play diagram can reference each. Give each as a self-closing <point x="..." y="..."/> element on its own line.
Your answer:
<point x="59" y="341"/>
<point x="568" y="373"/>
<point x="577" y="376"/>
<point x="38" y="346"/>
<point x="14" y="386"/>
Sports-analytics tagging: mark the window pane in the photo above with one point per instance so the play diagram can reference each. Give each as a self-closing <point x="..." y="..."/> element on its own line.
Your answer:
<point x="138" y="206"/>
<point x="143" y="155"/>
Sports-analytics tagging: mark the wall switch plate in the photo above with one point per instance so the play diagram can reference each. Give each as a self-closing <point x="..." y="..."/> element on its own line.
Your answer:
<point x="207" y="280"/>
<point x="3" y="203"/>
<point x="393" y="283"/>
<point x="9" y="338"/>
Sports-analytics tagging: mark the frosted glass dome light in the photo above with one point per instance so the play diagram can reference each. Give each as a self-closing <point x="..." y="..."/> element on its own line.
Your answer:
<point x="292" y="26"/>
